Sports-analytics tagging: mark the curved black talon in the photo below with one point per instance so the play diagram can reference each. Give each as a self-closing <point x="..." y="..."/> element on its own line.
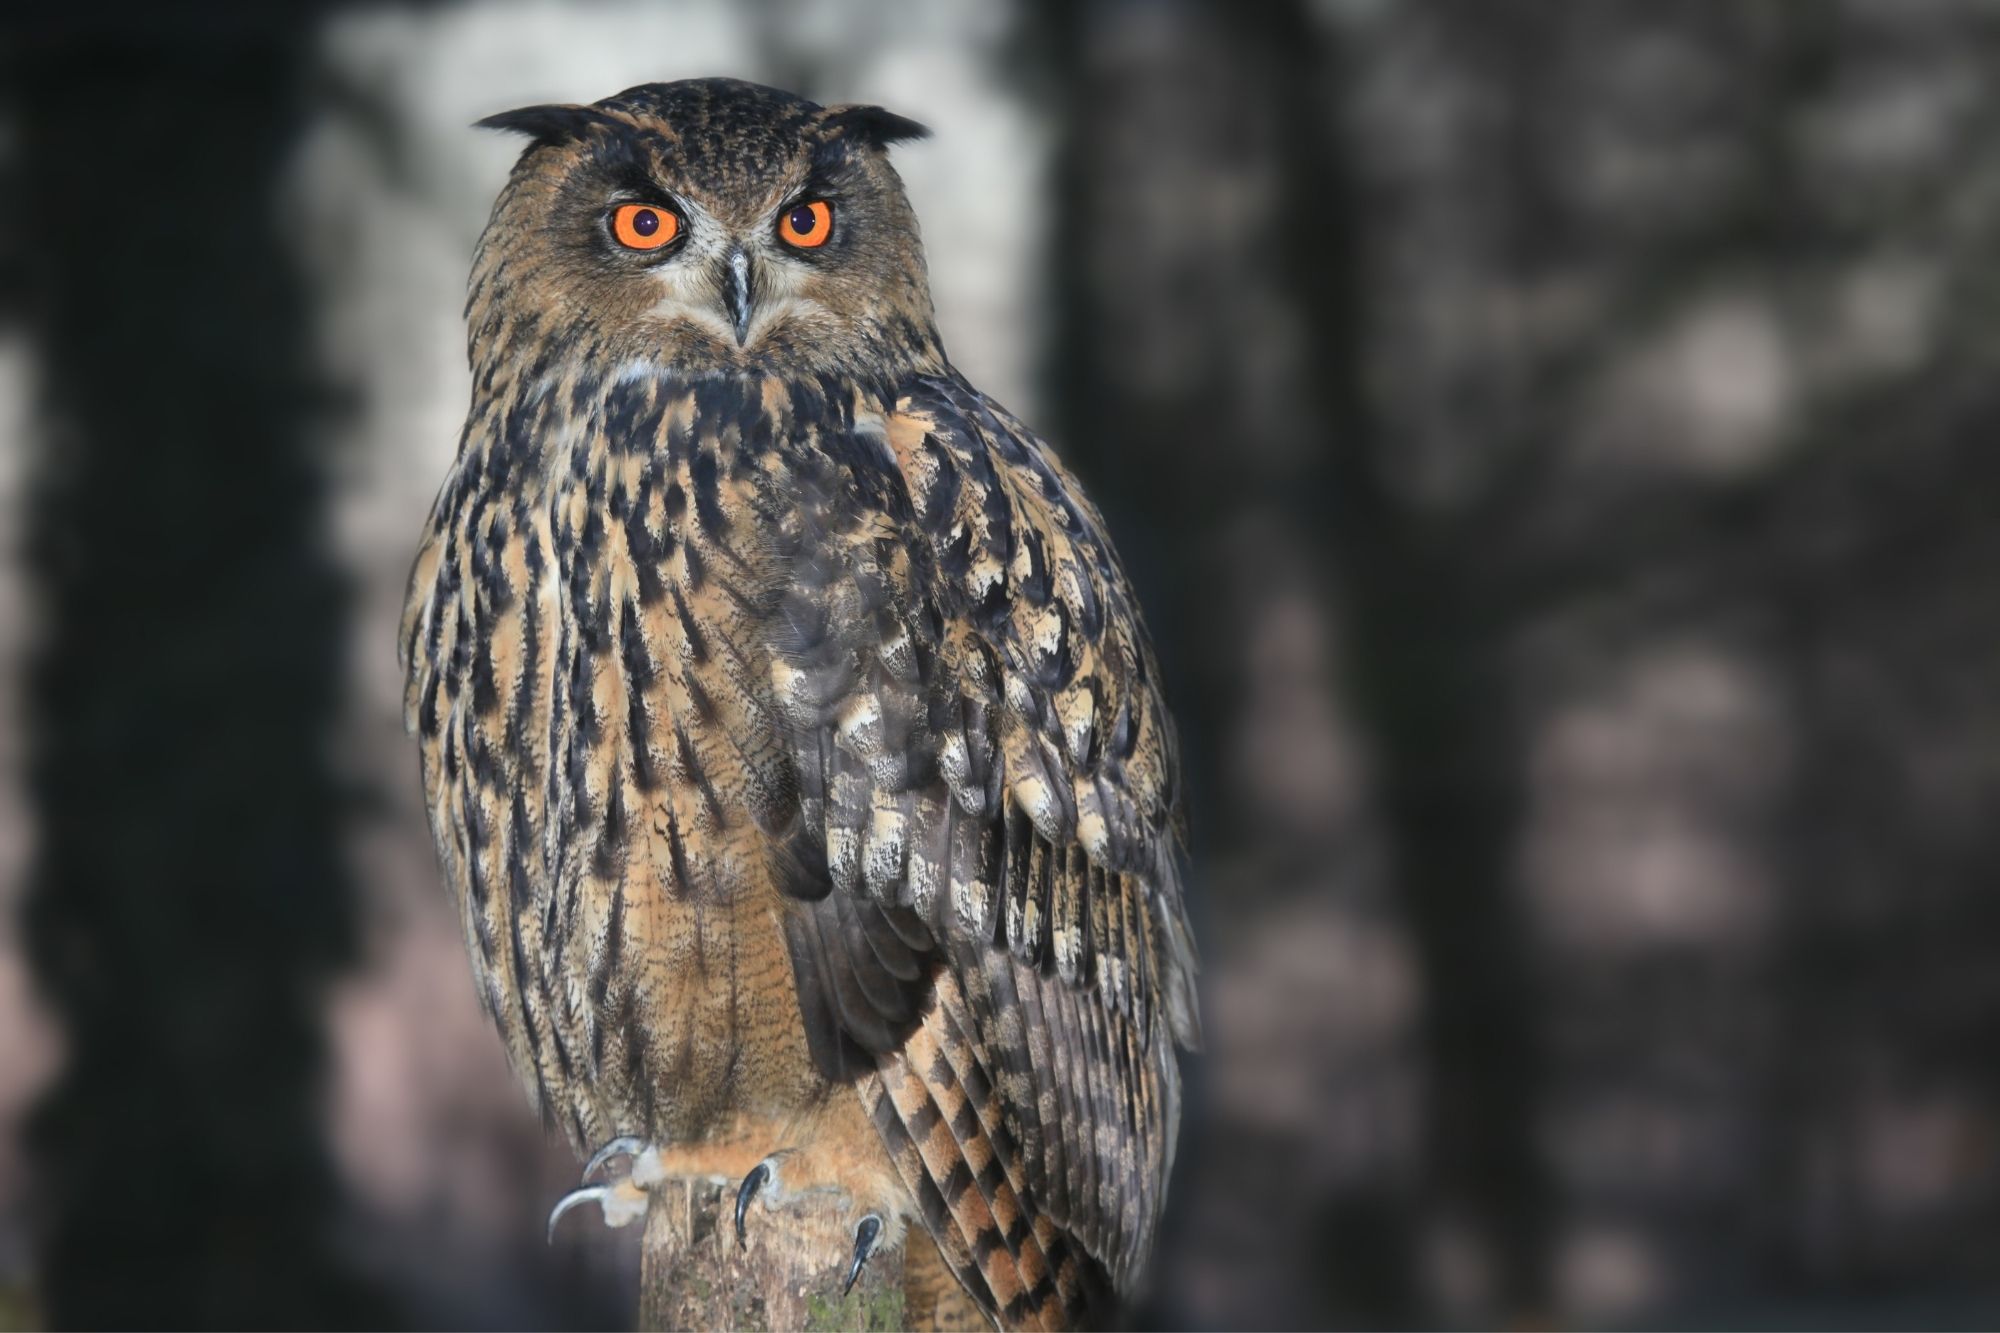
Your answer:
<point x="866" y="1233"/>
<point x="745" y="1193"/>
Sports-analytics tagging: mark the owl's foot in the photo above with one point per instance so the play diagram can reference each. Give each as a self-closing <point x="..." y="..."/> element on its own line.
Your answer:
<point x="766" y="1179"/>
<point x="623" y="1202"/>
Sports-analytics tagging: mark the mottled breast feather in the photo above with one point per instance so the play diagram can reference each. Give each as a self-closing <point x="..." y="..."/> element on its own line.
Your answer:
<point x="679" y="644"/>
<point x="601" y="760"/>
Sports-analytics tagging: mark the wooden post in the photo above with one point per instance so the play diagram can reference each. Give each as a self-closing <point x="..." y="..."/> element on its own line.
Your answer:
<point x="693" y="1276"/>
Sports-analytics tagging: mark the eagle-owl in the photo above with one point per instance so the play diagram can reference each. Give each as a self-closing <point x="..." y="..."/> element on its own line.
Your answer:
<point x="790" y="737"/>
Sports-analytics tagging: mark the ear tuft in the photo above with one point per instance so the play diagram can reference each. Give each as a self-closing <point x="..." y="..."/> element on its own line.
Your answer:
<point x="873" y="126"/>
<point x="550" y="124"/>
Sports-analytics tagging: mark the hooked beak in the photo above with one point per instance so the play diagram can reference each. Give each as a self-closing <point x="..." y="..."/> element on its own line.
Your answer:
<point x="736" y="294"/>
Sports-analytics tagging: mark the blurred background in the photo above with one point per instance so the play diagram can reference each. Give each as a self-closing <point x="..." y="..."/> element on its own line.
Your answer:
<point x="1554" y="444"/>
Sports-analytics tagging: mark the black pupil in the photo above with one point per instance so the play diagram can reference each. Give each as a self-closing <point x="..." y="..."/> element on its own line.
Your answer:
<point x="645" y="222"/>
<point x="802" y="221"/>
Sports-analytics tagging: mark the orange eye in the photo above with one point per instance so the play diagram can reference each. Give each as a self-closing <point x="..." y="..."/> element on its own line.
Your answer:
<point x="644" y="226"/>
<point x="808" y="225"/>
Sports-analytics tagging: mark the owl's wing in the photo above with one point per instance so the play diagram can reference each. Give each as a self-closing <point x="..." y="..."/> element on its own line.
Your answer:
<point x="989" y="931"/>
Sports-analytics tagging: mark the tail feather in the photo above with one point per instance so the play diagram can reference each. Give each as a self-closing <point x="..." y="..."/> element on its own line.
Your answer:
<point x="933" y="1103"/>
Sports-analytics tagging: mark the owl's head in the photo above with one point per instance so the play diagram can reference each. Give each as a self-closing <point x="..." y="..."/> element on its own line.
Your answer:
<point x="707" y="225"/>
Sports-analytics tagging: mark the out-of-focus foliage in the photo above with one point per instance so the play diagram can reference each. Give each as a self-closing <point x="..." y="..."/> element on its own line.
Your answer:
<point x="1552" y="445"/>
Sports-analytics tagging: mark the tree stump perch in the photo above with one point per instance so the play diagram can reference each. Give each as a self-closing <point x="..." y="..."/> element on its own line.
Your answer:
<point x="787" y="1276"/>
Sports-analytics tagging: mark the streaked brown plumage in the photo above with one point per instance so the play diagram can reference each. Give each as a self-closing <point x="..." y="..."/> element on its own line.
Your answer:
<point x="791" y="739"/>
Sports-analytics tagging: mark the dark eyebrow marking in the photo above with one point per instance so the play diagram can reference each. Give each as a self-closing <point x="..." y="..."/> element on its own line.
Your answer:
<point x="829" y="159"/>
<point x="622" y="159"/>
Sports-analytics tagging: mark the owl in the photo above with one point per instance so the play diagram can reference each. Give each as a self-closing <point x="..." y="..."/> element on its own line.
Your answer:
<point x="792" y="744"/>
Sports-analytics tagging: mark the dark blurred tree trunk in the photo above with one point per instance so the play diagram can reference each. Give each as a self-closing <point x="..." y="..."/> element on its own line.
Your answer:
<point x="188" y="904"/>
<point x="1428" y="683"/>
